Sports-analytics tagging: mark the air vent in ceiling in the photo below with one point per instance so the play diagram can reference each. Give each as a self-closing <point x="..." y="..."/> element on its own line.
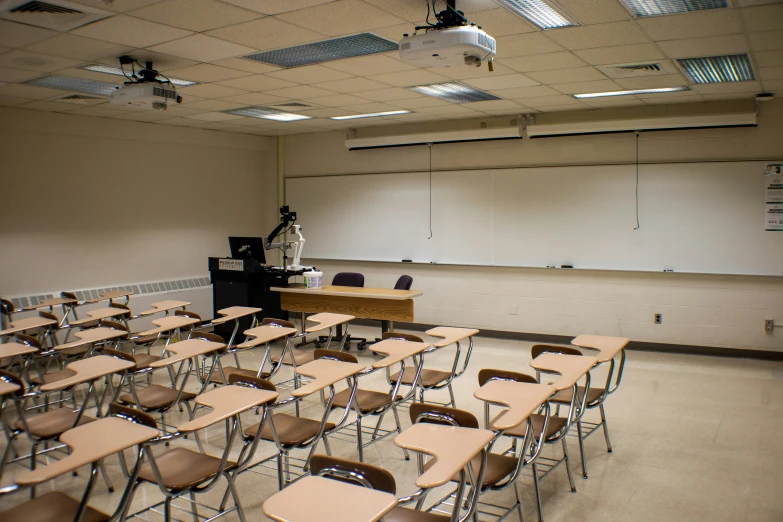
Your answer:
<point x="635" y="70"/>
<point x="326" y="51"/>
<point x="81" y="99"/>
<point x="60" y="15"/>
<point x="650" y="67"/>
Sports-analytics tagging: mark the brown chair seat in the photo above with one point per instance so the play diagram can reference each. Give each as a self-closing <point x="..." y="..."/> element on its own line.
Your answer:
<point x="50" y="507"/>
<point x="140" y="340"/>
<point x="181" y="468"/>
<point x="368" y="400"/>
<point x="402" y="514"/>
<point x="228" y="371"/>
<point x="300" y="357"/>
<point x="564" y="396"/>
<point x="76" y="351"/>
<point x="291" y="430"/>
<point x="429" y="378"/>
<point x="155" y="397"/>
<point x="143" y="360"/>
<point x="51" y="423"/>
<point x="498" y="467"/>
<point x="50" y="377"/>
<point x="555" y="425"/>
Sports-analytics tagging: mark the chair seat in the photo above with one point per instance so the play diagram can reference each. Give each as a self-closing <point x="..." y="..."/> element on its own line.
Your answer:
<point x="368" y="400"/>
<point x="564" y="396"/>
<point x="182" y="468"/>
<point x="142" y="340"/>
<point x="291" y="430"/>
<point x="300" y="357"/>
<point x="143" y="360"/>
<point x="50" y="377"/>
<point x="498" y="467"/>
<point x="429" y="378"/>
<point x="555" y="425"/>
<point x="401" y="514"/>
<point x="50" y="507"/>
<point x="52" y="423"/>
<point x="76" y="351"/>
<point x="228" y="371"/>
<point x="155" y="397"/>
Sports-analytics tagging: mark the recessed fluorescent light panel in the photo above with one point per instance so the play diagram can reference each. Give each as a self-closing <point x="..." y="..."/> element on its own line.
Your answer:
<point x="538" y="12"/>
<point x="68" y="83"/>
<point x="628" y="93"/>
<point x="718" y="69"/>
<point x="108" y="69"/>
<point x="326" y="51"/>
<point x="665" y="7"/>
<point x="453" y="92"/>
<point x="369" y="115"/>
<point x="266" y="113"/>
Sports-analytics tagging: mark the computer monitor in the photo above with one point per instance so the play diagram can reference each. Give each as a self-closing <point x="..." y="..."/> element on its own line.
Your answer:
<point x="247" y="248"/>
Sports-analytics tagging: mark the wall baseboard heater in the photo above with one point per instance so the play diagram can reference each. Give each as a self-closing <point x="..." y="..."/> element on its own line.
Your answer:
<point x="403" y="140"/>
<point x="737" y="119"/>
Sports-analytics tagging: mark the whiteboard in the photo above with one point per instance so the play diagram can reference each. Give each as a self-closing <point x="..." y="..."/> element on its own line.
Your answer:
<point x="694" y="217"/>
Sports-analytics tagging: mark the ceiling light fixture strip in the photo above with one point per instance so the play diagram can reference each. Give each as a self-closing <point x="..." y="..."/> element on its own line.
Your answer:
<point x="658" y="90"/>
<point x="70" y="83"/>
<point x="718" y="69"/>
<point x="666" y="7"/>
<point x="538" y="12"/>
<point x="369" y="115"/>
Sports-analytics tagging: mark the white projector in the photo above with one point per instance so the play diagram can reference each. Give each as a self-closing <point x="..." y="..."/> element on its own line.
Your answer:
<point x="147" y="95"/>
<point x="462" y="45"/>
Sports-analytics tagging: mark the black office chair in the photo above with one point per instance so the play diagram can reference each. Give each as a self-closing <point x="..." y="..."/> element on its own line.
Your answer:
<point x="403" y="283"/>
<point x="345" y="279"/>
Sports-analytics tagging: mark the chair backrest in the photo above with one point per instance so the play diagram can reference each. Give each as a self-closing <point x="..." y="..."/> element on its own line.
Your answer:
<point x="348" y="279"/>
<point x="323" y="353"/>
<point x="344" y="471"/>
<point x="538" y="349"/>
<point x="251" y="382"/>
<point x="402" y="336"/>
<point x="120" y="306"/>
<point x="277" y="322"/>
<point x="108" y="323"/>
<point x="6" y="307"/>
<point x="432" y="413"/>
<point x="132" y="415"/>
<point x="13" y="379"/>
<point x="49" y="315"/>
<point x="117" y="354"/>
<point x="192" y="315"/>
<point x="69" y="295"/>
<point x="29" y="340"/>
<point x="404" y="283"/>
<point x="208" y="336"/>
<point x="489" y="374"/>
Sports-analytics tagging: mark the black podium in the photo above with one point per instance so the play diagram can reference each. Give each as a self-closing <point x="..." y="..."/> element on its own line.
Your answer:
<point x="246" y="282"/>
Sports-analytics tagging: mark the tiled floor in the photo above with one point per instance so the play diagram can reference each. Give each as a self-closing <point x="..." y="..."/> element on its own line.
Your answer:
<point x="695" y="438"/>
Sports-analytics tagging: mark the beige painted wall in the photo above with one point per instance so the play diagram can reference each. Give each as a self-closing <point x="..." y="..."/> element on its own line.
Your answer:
<point x="720" y="311"/>
<point x="88" y="202"/>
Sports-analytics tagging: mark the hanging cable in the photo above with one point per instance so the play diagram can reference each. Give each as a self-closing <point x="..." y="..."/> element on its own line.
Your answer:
<point x="430" y="146"/>
<point x="637" y="180"/>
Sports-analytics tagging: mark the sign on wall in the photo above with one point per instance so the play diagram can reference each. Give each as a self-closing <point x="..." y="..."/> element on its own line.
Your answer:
<point x="773" y="198"/>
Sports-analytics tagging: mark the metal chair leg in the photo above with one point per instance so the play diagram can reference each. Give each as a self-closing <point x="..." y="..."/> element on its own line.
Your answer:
<point x="167" y="509"/>
<point x="519" y="502"/>
<point x="194" y="506"/>
<point x="567" y="466"/>
<point x="581" y="448"/>
<point x="280" y="478"/>
<point x="235" y="496"/>
<point x="451" y="395"/>
<point x="359" y="442"/>
<point x="538" y="493"/>
<point x="606" y="429"/>
<point x="399" y="430"/>
<point x="106" y="478"/>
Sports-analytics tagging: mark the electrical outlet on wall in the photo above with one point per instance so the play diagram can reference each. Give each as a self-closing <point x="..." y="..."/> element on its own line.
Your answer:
<point x="658" y="318"/>
<point x="769" y="325"/>
<point x="513" y="310"/>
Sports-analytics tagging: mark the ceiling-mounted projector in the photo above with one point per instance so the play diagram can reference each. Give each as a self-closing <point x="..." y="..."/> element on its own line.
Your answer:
<point x="452" y="41"/>
<point x="144" y="90"/>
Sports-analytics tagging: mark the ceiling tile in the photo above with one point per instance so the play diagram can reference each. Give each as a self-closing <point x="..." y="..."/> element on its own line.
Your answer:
<point x="507" y="81"/>
<point x="668" y="100"/>
<point x="462" y="72"/>
<point x="337" y="100"/>
<point x="544" y="62"/>
<point x="202" y="48"/>
<point x="215" y="116"/>
<point x="696" y="24"/>
<point x="300" y="92"/>
<point x="501" y="22"/>
<point x="119" y="6"/>
<point x="180" y="111"/>
<point x="493" y="105"/>
<point x="180" y="122"/>
<point x="768" y="58"/>
<point x="369" y="65"/>
<point x="711" y="46"/>
<point x="35" y="62"/>
<point x="145" y="116"/>
<point x="576" y="74"/>
<point x="365" y="108"/>
<point x="636" y="53"/>
<point x="258" y="82"/>
<point x="773" y="85"/>
<point x="250" y="66"/>
<point x="750" y="3"/>
<point x="339" y="18"/>
<point x="329" y="112"/>
<point x="253" y="98"/>
<point x="548" y="101"/>
<point x="723" y="88"/>
<point x="20" y="35"/>
<point x="451" y="109"/>
<point x="11" y="74"/>
<point x="126" y="30"/>
<point x="79" y="48"/>
<point x="390" y="94"/>
<point x="266" y="33"/>
<point x="210" y="90"/>
<point x="771" y="73"/>
<point x="525" y="92"/>
<point x="407" y="78"/>
<point x="524" y="45"/>
<point x="271" y="7"/>
<point x="618" y="101"/>
<point x="729" y="96"/>
<point x="101" y="112"/>
<point x="50" y="106"/>
<point x="601" y="35"/>
<point x="161" y="61"/>
<point x="195" y="15"/>
<point x="421" y="101"/>
<point x="205" y="72"/>
<point x="351" y="85"/>
<point x="310" y="74"/>
<point x="415" y="11"/>
<point x="589" y="12"/>
<point x="652" y="82"/>
<point x="580" y="87"/>
<point x="11" y="101"/>
<point x="395" y="33"/>
<point x="763" y="18"/>
<point x="766" y="41"/>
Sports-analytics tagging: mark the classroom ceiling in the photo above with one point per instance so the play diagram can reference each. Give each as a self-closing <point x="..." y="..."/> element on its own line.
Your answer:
<point x="535" y="70"/>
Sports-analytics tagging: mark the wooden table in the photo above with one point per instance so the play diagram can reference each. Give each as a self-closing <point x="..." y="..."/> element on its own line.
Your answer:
<point x="88" y="370"/>
<point x="608" y="347"/>
<point x="28" y="323"/>
<point x="164" y="306"/>
<point x="226" y="402"/>
<point x="571" y="368"/>
<point x="321" y="499"/>
<point x="324" y="372"/>
<point x="91" y="336"/>
<point x="100" y="313"/>
<point x="396" y="350"/>
<point x="169" y="324"/>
